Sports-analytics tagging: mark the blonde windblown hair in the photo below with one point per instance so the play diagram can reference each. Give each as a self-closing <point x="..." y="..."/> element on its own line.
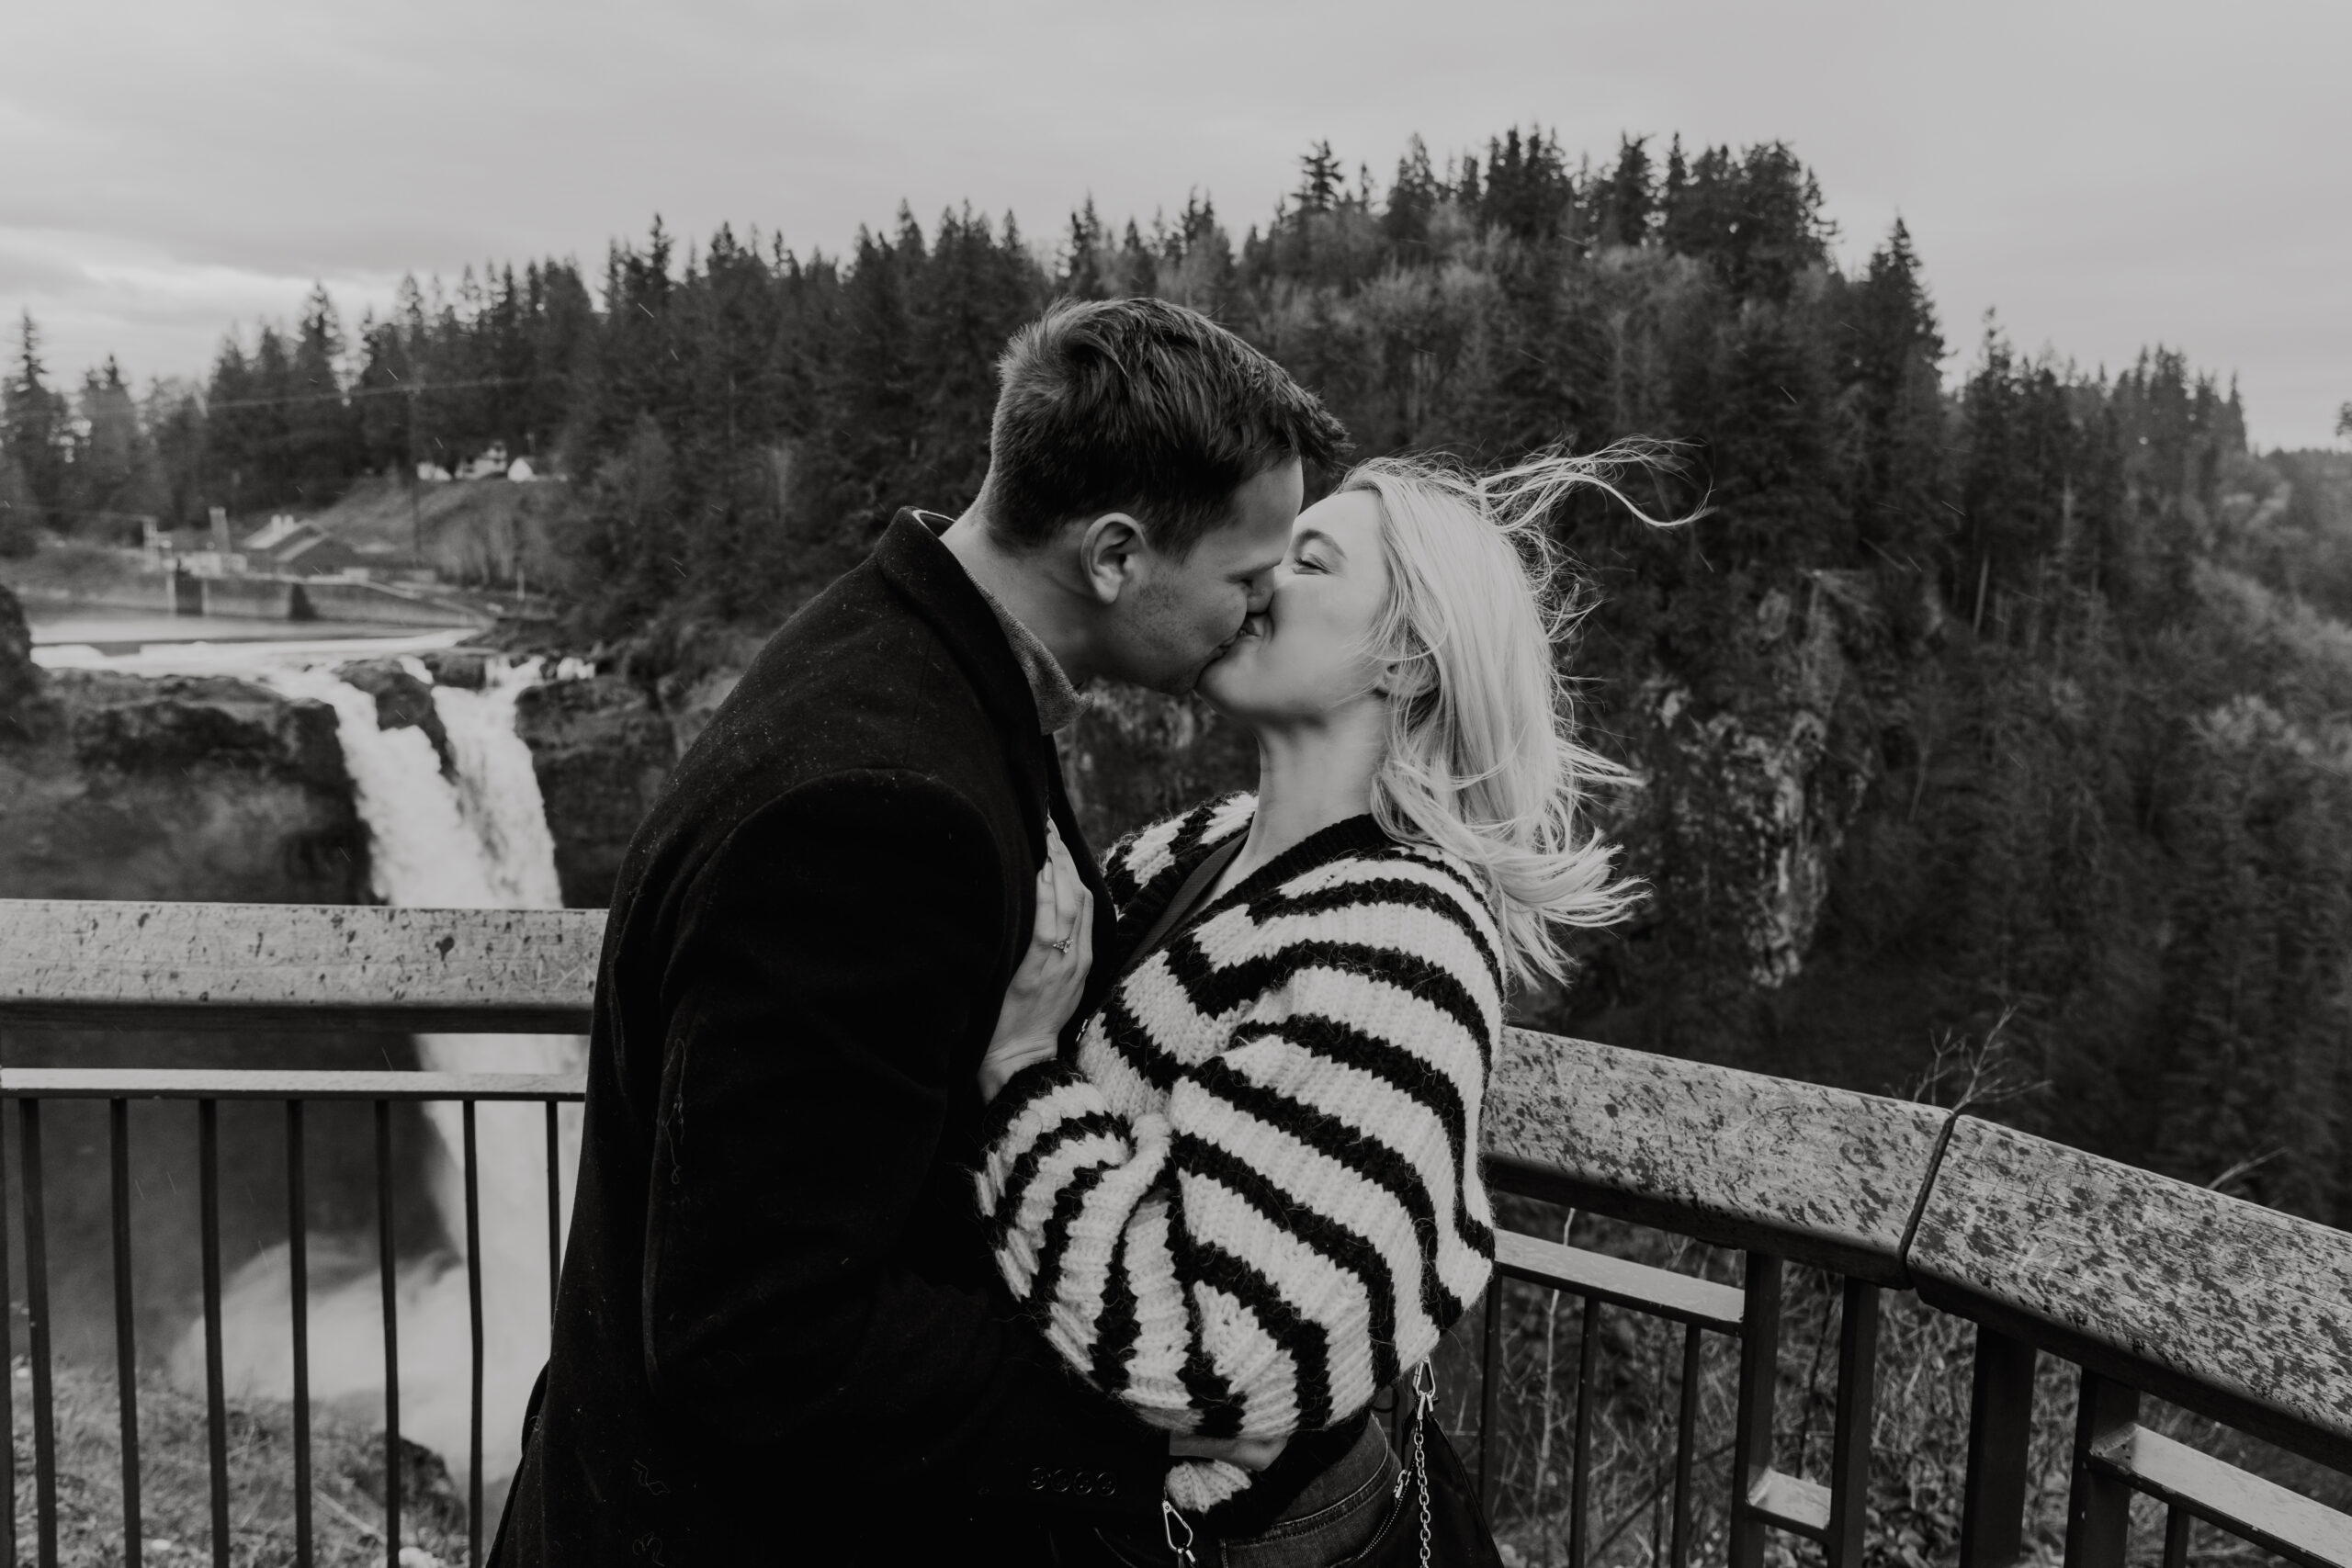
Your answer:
<point x="1482" y="757"/>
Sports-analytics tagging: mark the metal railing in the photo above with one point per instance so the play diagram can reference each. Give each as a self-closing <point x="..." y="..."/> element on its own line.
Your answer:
<point x="2149" y="1286"/>
<point x="31" y="1087"/>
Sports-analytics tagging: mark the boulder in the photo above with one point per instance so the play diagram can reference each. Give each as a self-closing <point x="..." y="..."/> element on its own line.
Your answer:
<point x="463" y="666"/>
<point x="403" y="701"/>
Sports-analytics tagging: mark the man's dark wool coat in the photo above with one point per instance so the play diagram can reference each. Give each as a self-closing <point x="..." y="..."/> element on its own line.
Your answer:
<point x="778" y="1336"/>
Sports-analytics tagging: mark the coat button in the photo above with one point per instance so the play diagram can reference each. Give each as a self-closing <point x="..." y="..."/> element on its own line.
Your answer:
<point x="1037" y="1480"/>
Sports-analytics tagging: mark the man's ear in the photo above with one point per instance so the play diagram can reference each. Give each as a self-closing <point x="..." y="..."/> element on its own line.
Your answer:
<point x="1110" y="555"/>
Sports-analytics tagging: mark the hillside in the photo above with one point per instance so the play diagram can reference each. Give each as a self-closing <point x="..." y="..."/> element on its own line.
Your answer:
<point x="484" y="532"/>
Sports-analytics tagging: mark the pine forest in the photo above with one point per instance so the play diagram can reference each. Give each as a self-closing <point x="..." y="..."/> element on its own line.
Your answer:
<point x="1993" y="724"/>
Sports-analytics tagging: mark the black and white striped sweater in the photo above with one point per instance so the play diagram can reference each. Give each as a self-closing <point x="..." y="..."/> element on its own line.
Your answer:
<point x="1252" y="1199"/>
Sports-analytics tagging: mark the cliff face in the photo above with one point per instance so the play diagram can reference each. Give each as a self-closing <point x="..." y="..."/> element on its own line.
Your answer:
<point x="601" y="750"/>
<point x="199" y="787"/>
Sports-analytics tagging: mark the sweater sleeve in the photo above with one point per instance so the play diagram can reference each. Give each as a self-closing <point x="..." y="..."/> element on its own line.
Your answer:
<point x="1304" y="1220"/>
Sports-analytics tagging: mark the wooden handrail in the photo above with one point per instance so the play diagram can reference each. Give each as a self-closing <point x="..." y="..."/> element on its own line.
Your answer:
<point x="2224" y="1306"/>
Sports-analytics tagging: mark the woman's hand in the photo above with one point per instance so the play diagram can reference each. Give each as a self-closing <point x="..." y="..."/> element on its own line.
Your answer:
<point x="1045" y="987"/>
<point x="1249" y="1453"/>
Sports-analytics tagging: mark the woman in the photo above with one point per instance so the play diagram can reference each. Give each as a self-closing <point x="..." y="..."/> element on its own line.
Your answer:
<point x="1251" y="1198"/>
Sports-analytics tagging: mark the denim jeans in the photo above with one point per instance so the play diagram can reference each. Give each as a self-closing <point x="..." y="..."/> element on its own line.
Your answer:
<point x="1336" y="1517"/>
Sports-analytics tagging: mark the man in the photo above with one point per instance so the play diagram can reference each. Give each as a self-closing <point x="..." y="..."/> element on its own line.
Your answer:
<point x="778" y="1336"/>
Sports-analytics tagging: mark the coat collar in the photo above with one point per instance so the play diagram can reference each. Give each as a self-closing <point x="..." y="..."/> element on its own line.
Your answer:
<point x="912" y="559"/>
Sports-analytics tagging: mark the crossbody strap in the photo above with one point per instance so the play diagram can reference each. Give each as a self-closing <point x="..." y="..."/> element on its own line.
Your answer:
<point x="1188" y="896"/>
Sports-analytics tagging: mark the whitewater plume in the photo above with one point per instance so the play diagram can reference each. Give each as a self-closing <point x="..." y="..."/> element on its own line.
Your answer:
<point x="477" y="838"/>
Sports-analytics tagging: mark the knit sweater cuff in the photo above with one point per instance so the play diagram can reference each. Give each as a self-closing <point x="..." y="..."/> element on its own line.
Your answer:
<point x="1197" y="1485"/>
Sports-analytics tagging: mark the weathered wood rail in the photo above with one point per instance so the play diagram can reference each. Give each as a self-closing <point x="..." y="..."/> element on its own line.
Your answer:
<point x="2148" y="1285"/>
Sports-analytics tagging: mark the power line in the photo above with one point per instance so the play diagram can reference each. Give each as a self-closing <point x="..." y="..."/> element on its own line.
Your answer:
<point x="408" y="389"/>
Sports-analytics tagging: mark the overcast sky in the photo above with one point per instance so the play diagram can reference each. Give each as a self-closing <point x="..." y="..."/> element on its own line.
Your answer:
<point x="2104" y="173"/>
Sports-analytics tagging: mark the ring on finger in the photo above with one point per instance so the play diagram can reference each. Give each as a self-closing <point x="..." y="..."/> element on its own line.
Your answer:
<point x="1063" y="945"/>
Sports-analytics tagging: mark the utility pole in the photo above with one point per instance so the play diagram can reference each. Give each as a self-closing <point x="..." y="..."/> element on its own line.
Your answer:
<point x="415" y="482"/>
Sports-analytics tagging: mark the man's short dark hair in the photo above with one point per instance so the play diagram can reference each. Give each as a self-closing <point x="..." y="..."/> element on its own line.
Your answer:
<point x="1138" y="405"/>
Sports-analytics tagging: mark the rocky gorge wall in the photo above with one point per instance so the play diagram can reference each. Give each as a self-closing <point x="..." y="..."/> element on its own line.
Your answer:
<point x="184" y="786"/>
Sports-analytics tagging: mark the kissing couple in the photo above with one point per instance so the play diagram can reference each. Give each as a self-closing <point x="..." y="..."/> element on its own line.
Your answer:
<point x="948" y="1196"/>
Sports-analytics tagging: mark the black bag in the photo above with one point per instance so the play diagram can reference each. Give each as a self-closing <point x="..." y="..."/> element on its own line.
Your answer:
<point x="1436" y="1522"/>
<point x="1434" y="1519"/>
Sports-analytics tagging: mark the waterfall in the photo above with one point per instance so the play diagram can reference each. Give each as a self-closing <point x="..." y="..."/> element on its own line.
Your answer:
<point x="475" y="839"/>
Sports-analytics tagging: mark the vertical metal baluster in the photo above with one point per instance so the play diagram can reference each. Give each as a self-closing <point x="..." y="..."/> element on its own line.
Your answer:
<point x="2176" y="1523"/>
<point x="1850" y="1452"/>
<point x="1686" y="1444"/>
<point x="298" y="1275"/>
<point x="1580" y="1458"/>
<point x="555" y="1208"/>
<point x="126" y="1348"/>
<point x="391" y="1334"/>
<point x="473" y="1308"/>
<point x="8" y="1373"/>
<point x="2098" y="1508"/>
<point x="37" y="1322"/>
<point x="1759" y="1375"/>
<point x="1490" y="1377"/>
<point x="2000" y="1428"/>
<point x="208" y="1143"/>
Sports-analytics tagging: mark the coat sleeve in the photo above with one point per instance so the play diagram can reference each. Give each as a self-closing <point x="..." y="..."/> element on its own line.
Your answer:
<point x="823" y="998"/>
<point x="1304" y="1220"/>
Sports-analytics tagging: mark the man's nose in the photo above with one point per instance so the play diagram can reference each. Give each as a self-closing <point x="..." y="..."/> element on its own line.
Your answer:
<point x="1262" y="592"/>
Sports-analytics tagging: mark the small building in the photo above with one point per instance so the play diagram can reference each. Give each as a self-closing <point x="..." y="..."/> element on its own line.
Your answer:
<point x="490" y="464"/>
<point x="289" y="546"/>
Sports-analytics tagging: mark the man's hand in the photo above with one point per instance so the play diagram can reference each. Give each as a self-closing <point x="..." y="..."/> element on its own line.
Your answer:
<point x="1249" y="1453"/>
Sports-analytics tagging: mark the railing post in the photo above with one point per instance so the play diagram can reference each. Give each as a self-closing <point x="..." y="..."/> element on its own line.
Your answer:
<point x="2098" y="1508"/>
<point x="1580" y="1458"/>
<point x="7" y="1371"/>
<point x="297" y="1281"/>
<point x="1759" y="1376"/>
<point x="1850" y="1463"/>
<point x="1686" y="1430"/>
<point x="37" y="1324"/>
<point x="126" y="1345"/>
<point x="216" y="1409"/>
<point x="2000" y="1430"/>
<point x="389" y="1275"/>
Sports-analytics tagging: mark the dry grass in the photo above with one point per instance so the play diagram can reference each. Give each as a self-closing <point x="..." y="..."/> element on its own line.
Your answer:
<point x="347" y="1482"/>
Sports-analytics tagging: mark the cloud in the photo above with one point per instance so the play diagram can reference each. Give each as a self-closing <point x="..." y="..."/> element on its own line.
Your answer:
<point x="2106" y="172"/>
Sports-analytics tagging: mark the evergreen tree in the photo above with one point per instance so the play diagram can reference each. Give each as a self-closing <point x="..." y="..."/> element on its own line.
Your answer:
<point x="1082" y="276"/>
<point x="1320" y="181"/>
<point x="1413" y="196"/>
<point x="33" y="432"/>
<point x="110" y="478"/>
<point x="322" y="438"/>
<point x="1629" y="195"/>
